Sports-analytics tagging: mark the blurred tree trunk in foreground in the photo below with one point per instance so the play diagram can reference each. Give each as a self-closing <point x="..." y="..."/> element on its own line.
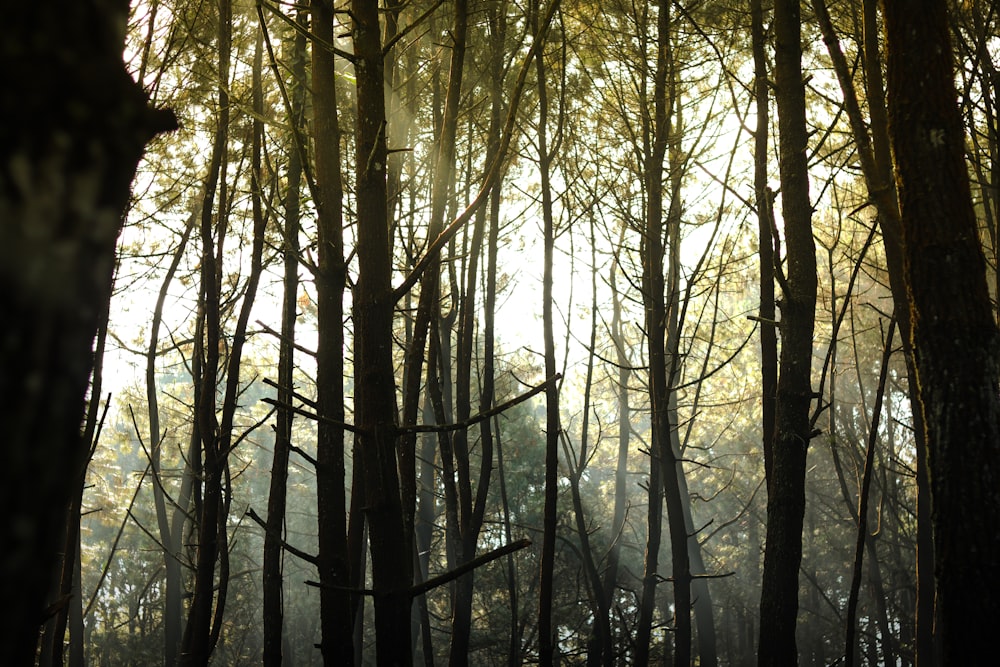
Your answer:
<point x="75" y="128"/>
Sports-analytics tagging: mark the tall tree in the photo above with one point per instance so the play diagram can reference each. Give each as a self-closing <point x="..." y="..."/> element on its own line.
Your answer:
<point x="954" y="333"/>
<point x="661" y="300"/>
<point x="374" y="377"/>
<point x="428" y="307"/>
<point x="197" y="643"/>
<point x="548" y="643"/>
<point x="169" y="531"/>
<point x="875" y="161"/>
<point x="76" y="126"/>
<point x="786" y="476"/>
<point x="272" y="570"/>
<point x="334" y="560"/>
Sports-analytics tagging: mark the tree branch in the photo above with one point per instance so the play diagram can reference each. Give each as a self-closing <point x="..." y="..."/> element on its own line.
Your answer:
<point x="309" y="558"/>
<point x="479" y="561"/>
<point x="482" y="416"/>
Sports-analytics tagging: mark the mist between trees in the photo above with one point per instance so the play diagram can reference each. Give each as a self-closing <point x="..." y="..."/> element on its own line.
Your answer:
<point x="495" y="333"/>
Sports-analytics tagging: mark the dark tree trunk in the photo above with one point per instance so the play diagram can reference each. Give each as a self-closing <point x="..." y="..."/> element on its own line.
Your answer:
<point x="661" y="299"/>
<point x="272" y="570"/>
<point x="68" y="596"/>
<point x="75" y="126"/>
<point x="875" y="160"/>
<point x="428" y="308"/>
<point x="169" y="535"/>
<point x="374" y="377"/>
<point x="599" y="646"/>
<point x="335" y="575"/>
<point x="954" y="334"/>
<point x="786" y="477"/>
<point x="197" y="642"/>
<point x="548" y="643"/>
<point x="765" y="222"/>
<point x="624" y="437"/>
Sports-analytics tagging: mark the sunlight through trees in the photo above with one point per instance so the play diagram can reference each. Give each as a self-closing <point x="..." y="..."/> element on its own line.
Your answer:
<point x="483" y="332"/>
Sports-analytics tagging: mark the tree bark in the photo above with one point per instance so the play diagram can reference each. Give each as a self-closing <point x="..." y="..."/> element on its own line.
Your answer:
<point x="374" y="376"/>
<point x="335" y="572"/>
<point x="548" y="643"/>
<point x="272" y="584"/>
<point x="786" y="477"/>
<point x="197" y="642"/>
<point x="954" y="334"/>
<point x="765" y="222"/>
<point x="75" y="126"/>
<point x="876" y="165"/>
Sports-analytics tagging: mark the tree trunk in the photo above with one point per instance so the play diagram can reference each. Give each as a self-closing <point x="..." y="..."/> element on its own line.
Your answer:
<point x="172" y="601"/>
<point x="272" y="569"/>
<point x="624" y="364"/>
<point x="197" y="642"/>
<point x="68" y="594"/>
<point x="548" y="645"/>
<point x="765" y="240"/>
<point x="661" y="294"/>
<point x="335" y="573"/>
<point x="75" y="128"/>
<point x="600" y="649"/>
<point x="875" y="160"/>
<point x="786" y="477"/>
<point x="953" y="331"/>
<point x="374" y="377"/>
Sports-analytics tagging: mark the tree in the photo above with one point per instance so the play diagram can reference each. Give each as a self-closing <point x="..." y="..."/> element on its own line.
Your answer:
<point x="548" y="641"/>
<point x="334" y="561"/>
<point x="876" y="165"/>
<point x="790" y="443"/>
<point x="375" y="388"/>
<point x="954" y="333"/>
<point x="75" y="128"/>
<point x="661" y="299"/>
<point x="277" y="497"/>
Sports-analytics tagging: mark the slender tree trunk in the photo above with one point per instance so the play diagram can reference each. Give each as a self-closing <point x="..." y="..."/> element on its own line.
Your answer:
<point x="674" y="482"/>
<point x="661" y="301"/>
<point x="196" y="643"/>
<point x="764" y="199"/>
<point x="68" y="593"/>
<point x="862" y="514"/>
<point x="624" y="435"/>
<point x="427" y="309"/>
<point x="216" y="421"/>
<point x="548" y="647"/>
<point x="651" y="560"/>
<point x="496" y="13"/>
<point x="374" y="377"/>
<point x="173" y="602"/>
<point x="954" y="333"/>
<point x="600" y="648"/>
<point x="335" y="571"/>
<point x="765" y="223"/>
<point x="424" y="522"/>
<point x="273" y="571"/>
<point x="786" y="480"/>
